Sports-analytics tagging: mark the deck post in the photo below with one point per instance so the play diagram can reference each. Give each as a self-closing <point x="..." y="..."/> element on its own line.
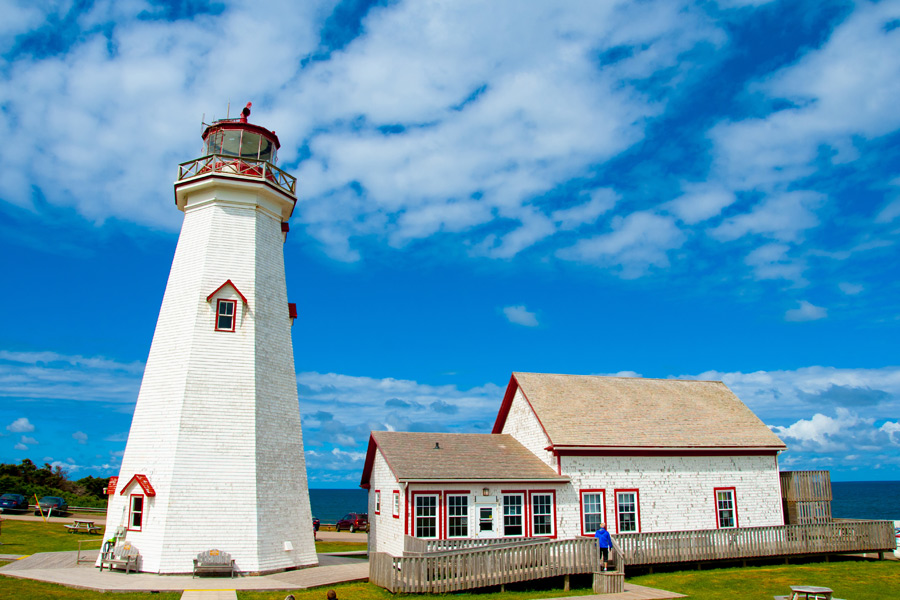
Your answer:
<point x="566" y="587"/>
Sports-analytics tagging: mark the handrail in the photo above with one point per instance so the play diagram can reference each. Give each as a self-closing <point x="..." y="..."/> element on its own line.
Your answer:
<point x="754" y="542"/>
<point x="236" y="166"/>
<point x="498" y="563"/>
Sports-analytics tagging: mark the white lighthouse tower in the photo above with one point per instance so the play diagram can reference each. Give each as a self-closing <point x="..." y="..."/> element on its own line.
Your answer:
<point x="214" y="458"/>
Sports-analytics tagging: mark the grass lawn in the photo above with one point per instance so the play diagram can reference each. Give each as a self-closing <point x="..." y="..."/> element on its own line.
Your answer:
<point x="26" y="589"/>
<point x="340" y="546"/>
<point x="28" y="537"/>
<point x="850" y="579"/>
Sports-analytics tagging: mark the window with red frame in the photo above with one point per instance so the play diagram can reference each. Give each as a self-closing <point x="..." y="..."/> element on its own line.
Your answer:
<point x="542" y="520"/>
<point x="225" y="315"/>
<point x="592" y="503"/>
<point x="627" y="511"/>
<point x="726" y="508"/>
<point x="136" y="514"/>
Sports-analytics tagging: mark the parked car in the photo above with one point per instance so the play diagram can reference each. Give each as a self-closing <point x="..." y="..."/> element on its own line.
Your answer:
<point x="353" y="522"/>
<point x="59" y="505"/>
<point x="13" y="502"/>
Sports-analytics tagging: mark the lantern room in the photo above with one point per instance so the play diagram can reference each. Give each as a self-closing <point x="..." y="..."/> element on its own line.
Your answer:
<point x="238" y="138"/>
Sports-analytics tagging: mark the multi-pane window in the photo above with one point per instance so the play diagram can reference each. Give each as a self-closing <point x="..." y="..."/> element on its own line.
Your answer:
<point x="726" y="512"/>
<point x="512" y="515"/>
<point x="377" y="502"/>
<point x="136" y="517"/>
<point x="626" y="510"/>
<point x="426" y="519"/>
<point x="542" y="514"/>
<point x="457" y="516"/>
<point x="396" y="504"/>
<point x="225" y="315"/>
<point x="591" y="511"/>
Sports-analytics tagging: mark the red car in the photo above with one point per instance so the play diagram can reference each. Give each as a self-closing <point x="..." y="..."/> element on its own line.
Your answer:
<point x="353" y="522"/>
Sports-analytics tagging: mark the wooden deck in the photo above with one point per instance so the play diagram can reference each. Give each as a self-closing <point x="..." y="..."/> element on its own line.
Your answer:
<point x="757" y="542"/>
<point x="432" y="566"/>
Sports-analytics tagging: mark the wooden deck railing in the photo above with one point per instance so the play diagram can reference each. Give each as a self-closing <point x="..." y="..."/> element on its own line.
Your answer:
<point x="756" y="542"/>
<point x="222" y="164"/>
<point x="453" y="570"/>
<point x="430" y="566"/>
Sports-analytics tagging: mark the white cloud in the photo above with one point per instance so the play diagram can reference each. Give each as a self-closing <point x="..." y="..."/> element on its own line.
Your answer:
<point x="520" y="316"/>
<point x="29" y="440"/>
<point x="68" y="377"/>
<point x="20" y="425"/>
<point x="80" y="437"/>
<point x="20" y="446"/>
<point x="821" y="432"/>
<point x="435" y="120"/>
<point x="637" y="242"/>
<point x="773" y="261"/>
<point x="851" y="289"/>
<point x="700" y="201"/>
<point x="806" y="312"/>
<point x="601" y="201"/>
<point x="892" y="428"/>
<point x="781" y="217"/>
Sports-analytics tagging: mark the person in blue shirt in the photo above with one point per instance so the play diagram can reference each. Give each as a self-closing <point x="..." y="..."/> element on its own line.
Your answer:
<point x="604" y="541"/>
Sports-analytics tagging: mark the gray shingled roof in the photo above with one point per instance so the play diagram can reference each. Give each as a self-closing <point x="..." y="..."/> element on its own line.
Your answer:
<point x="462" y="456"/>
<point x="583" y="410"/>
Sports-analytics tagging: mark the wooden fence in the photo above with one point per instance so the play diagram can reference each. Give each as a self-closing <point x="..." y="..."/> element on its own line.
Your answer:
<point x="453" y="570"/>
<point x="757" y="542"/>
<point x="429" y="566"/>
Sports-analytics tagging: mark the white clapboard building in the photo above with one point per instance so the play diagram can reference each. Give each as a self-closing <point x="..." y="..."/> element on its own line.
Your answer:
<point x="214" y="458"/>
<point x="568" y="452"/>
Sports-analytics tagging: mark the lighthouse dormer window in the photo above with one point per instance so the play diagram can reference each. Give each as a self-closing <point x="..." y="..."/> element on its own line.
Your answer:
<point x="225" y="315"/>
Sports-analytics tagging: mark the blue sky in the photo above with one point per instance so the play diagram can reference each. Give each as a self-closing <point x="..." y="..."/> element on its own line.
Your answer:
<point x="665" y="189"/>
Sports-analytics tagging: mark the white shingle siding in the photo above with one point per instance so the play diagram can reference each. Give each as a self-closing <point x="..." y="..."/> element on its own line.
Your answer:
<point x="216" y="427"/>
<point x="385" y="531"/>
<point x="676" y="492"/>
<point x="522" y="424"/>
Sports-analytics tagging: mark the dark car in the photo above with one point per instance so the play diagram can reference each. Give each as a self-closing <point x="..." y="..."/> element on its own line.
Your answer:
<point x="353" y="522"/>
<point x="59" y="505"/>
<point x="13" y="502"/>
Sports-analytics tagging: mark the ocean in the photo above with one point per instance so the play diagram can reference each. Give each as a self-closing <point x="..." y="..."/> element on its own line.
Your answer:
<point x="851" y="500"/>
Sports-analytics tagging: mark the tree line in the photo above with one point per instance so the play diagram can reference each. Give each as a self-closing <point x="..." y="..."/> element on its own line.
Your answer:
<point x="28" y="479"/>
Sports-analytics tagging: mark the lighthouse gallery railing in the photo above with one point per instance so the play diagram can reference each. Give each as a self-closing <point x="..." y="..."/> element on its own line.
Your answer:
<point x="223" y="164"/>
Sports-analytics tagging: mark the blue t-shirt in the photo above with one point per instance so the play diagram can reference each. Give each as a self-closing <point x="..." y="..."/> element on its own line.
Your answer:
<point x="603" y="539"/>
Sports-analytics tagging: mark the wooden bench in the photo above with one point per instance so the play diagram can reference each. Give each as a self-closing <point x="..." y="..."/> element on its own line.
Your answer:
<point x="123" y="556"/>
<point x="213" y="561"/>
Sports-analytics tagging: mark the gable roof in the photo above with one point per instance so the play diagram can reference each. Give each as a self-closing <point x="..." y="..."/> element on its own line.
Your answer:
<point x="623" y="412"/>
<point x="461" y="457"/>
<point x="227" y="282"/>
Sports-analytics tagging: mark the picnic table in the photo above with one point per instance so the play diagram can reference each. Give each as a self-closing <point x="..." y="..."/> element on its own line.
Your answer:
<point x="82" y="526"/>
<point x="809" y="592"/>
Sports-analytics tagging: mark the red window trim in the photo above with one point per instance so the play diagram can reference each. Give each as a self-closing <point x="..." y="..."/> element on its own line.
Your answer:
<point x="733" y="491"/>
<point x="377" y="502"/>
<point x="131" y="509"/>
<point x="637" y="508"/>
<point x="439" y="514"/>
<point x="446" y="519"/>
<point x="233" y="313"/>
<point x="526" y="519"/>
<point x="397" y="494"/>
<point x="581" y="494"/>
<point x="531" y="495"/>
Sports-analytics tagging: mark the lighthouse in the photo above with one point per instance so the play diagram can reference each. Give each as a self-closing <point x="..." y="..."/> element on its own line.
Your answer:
<point x="214" y="458"/>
